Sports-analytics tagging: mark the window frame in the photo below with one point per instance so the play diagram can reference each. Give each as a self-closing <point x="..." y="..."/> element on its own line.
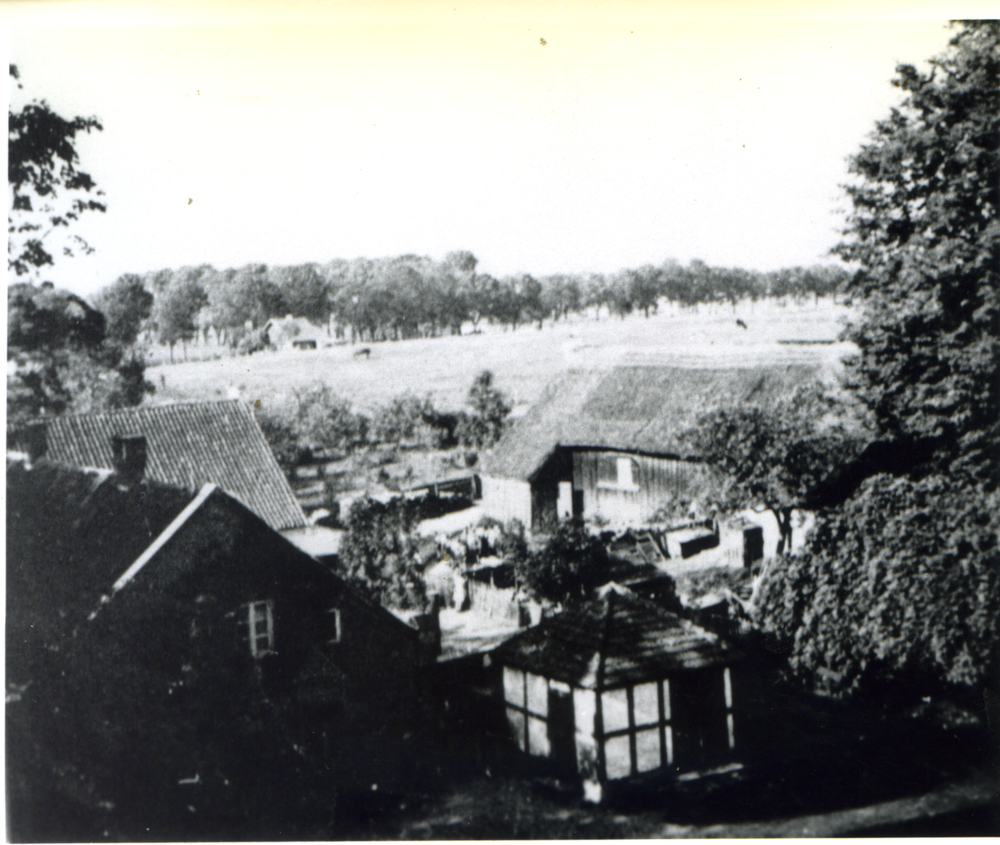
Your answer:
<point x="663" y="725"/>
<point x="338" y="631"/>
<point x="624" y="482"/>
<point x="253" y="609"/>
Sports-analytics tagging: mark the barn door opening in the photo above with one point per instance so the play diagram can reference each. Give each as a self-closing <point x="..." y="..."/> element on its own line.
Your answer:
<point x="562" y="727"/>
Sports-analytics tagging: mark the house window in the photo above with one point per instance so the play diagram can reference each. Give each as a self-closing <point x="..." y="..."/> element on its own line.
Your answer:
<point x="636" y="729"/>
<point x="526" y="696"/>
<point x="617" y="473"/>
<point x="261" y="628"/>
<point x="337" y="632"/>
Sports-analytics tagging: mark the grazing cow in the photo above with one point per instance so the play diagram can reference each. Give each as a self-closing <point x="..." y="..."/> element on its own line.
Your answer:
<point x="741" y="324"/>
<point x="364" y="350"/>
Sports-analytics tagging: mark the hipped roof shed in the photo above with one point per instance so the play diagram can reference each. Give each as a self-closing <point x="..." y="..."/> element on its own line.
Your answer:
<point x="617" y="640"/>
<point x="638" y="409"/>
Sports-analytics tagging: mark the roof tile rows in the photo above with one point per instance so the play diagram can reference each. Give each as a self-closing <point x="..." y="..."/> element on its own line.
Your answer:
<point x="189" y="445"/>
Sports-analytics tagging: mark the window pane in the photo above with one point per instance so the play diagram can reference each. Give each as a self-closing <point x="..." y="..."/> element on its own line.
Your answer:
<point x="669" y="737"/>
<point x="538" y="737"/>
<point x="260" y="626"/>
<point x="625" y="472"/>
<point x="616" y="757"/>
<point x="538" y="694"/>
<point x="727" y="683"/>
<point x="647" y="750"/>
<point x="615" y="709"/>
<point x="515" y="718"/>
<point x="647" y="703"/>
<point x="666" y="700"/>
<point x="513" y="686"/>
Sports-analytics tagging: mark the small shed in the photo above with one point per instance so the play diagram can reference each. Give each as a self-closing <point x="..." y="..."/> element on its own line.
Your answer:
<point x="619" y="687"/>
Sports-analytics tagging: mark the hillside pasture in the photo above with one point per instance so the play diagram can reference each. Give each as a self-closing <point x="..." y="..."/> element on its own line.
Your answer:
<point x="523" y="361"/>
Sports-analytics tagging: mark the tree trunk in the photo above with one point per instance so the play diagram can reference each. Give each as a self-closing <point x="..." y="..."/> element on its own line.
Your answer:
<point x="784" y="517"/>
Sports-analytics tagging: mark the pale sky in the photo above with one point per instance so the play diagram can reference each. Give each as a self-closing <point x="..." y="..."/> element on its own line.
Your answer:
<point x="543" y="141"/>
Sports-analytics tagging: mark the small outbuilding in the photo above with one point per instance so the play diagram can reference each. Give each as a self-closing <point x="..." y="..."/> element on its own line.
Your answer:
<point x="619" y="687"/>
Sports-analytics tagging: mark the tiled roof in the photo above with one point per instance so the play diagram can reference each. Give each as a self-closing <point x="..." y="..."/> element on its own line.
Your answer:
<point x="189" y="445"/>
<point x="618" y="639"/>
<point x="633" y="408"/>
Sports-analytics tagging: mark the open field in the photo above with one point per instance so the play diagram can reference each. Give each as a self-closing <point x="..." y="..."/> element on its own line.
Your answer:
<point x="523" y="361"/>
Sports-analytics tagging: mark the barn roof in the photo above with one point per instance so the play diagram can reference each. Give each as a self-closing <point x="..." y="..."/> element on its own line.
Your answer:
<point x="618" y="639"/>
<point x="633" y="408"/>
<point x="189" y="445"/>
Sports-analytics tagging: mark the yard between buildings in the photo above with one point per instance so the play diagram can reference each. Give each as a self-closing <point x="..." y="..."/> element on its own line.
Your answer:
<point x="523" y="361"/>
<point x="918" y="778"/>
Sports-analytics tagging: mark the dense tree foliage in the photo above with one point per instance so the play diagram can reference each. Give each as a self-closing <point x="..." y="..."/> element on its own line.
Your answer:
<point x="126" y="305"/>
<point x="775" y="457"/>
<point x="176" y="308"/>
<point x="48" y="190"/>
<point x="490" y="409"/>
<point x="568" y="568"/>
<point x="925" y="231"/>
<point x="410" y="296"/>
<point x="59" y="359"/>
<point x="378" y="555"/>
<point x="899" y="589"/>
<point x="900" y="584"/>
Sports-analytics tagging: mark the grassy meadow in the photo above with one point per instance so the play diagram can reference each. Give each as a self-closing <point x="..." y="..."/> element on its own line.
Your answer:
<point x="523" y="361"/>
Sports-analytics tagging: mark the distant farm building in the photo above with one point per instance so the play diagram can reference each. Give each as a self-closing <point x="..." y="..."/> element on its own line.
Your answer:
<point x="606" y="443"/>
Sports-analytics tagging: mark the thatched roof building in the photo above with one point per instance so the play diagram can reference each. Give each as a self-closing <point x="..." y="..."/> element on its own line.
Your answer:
<point x="640" y="409"/>
<point x="608" y="441"/>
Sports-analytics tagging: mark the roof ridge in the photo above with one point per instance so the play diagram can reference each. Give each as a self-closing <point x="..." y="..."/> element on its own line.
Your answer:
<point x="139" y="408"/>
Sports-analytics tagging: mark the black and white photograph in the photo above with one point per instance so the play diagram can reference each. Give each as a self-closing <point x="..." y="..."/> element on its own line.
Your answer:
<point x="502" y="421"/>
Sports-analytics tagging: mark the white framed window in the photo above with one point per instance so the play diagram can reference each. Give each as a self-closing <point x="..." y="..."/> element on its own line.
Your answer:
<point x="617" y="473"/>
<point x="261" y="619"/>
<point x="337" y="631"/>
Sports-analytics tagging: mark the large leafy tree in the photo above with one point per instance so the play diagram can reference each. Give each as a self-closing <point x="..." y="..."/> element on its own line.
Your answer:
<point x="48" y="190"/>
<point x="125" y="304"/>
<point x="900" y="586"/>
<point x="59" y="359"/>
<point x="775" y="457"/>
<point x="925" y="232"/>
<point x="379" y="553"/>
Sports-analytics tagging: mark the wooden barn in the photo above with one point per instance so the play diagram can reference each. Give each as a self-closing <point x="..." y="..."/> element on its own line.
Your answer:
<point x="605" y="443"/>
<point x="619" y="687"/>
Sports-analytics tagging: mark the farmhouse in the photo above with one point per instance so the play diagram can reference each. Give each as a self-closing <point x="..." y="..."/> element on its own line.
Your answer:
<point x="176" y="625"/>
<point x="618" y="687"/>
<point x="605" y="443"/>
